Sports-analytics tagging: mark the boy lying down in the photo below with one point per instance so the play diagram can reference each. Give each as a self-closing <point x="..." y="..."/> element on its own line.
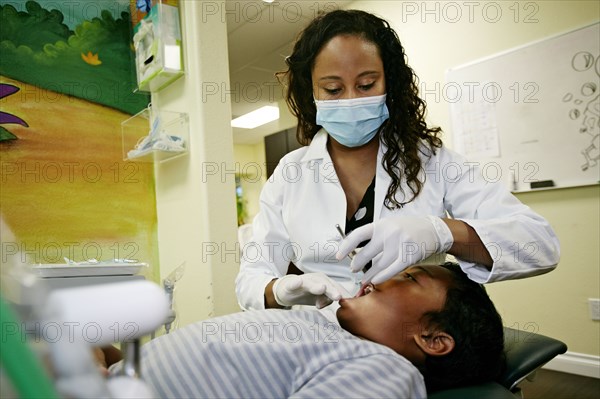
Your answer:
<point x="426" y="329"/>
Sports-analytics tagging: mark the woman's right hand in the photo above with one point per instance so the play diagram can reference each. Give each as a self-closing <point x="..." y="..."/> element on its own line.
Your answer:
<point x="307" y="289"/>
<point x="395" y="243"/>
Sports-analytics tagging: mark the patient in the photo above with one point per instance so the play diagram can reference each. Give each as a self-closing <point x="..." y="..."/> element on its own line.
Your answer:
<point x="429" y="328"/>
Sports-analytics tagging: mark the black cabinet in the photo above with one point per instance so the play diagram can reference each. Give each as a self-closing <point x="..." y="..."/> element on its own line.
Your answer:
<point x="277" y="145"/>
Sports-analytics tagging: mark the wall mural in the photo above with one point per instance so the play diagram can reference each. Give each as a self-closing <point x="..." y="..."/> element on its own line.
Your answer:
<point x="66" y="84"/>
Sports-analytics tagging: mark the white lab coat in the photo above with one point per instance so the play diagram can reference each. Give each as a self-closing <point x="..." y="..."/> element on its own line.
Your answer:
<point x="303" y="201"/>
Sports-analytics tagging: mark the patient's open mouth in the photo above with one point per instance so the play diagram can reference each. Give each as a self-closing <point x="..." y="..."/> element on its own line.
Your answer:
<point x="364" y="290"/>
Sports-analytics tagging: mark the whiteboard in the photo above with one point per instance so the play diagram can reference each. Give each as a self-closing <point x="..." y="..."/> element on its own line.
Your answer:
<point x="531" y="114"/>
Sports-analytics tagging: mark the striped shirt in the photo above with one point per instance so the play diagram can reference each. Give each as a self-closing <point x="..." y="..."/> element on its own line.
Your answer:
<point x="275" y="354"/>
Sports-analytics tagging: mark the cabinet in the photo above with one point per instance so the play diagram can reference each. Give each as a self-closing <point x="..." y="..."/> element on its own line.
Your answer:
<point x="277" y="145"/>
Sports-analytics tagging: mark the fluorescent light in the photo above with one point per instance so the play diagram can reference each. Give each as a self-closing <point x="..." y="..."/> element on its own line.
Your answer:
<point x="256" y="118"/>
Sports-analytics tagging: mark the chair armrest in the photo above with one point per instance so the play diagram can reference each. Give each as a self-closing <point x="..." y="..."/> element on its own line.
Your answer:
<point x="490" y="390"/>
<point x="526" y="352"/>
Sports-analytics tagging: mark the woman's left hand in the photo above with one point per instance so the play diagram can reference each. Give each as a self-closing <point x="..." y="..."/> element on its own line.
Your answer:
<point x="395" y="244"/>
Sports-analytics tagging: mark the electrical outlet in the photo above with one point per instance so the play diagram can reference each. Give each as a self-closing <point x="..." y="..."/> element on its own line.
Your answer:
<point x="594" y="305"/>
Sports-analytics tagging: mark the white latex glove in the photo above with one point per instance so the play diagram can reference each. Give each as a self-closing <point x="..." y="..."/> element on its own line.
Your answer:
<point x="395" y="244"/>
<point x="307" y="289"/>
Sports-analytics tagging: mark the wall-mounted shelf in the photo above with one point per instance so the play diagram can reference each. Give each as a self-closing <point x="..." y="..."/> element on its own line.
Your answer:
<point x="155" y="136"/>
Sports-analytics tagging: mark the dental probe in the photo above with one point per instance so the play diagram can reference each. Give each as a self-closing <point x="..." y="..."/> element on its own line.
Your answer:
<point x="339" y="229"/>
<point x="351" y="256"/>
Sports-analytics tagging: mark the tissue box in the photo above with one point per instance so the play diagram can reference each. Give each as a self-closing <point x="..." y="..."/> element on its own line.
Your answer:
<point x="158" y="47"/>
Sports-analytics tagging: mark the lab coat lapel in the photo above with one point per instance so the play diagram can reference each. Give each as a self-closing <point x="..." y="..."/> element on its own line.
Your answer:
<point x="319" y="163"/>
<point x="317" y="156"/>
<point x="382" y="182"/>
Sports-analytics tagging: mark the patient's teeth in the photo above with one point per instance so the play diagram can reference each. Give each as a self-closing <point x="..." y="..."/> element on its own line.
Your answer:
<point x="368" y="288"/>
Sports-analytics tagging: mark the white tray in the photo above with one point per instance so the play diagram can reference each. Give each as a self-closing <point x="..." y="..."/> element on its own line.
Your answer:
<point x="108" y="269"/>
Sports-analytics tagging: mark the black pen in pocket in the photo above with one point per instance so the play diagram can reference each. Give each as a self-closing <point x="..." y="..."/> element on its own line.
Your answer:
<point x="339" y="229"/>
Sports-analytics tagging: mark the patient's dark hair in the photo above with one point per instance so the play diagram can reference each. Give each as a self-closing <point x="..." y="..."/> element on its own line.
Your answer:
<point x="470" y="317"/>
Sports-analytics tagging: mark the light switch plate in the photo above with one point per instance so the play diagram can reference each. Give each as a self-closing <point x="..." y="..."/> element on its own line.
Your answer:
<point x="594" y="306"/>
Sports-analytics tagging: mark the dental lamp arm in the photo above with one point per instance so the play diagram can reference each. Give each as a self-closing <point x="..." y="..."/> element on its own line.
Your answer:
<point x="100" y="315"/>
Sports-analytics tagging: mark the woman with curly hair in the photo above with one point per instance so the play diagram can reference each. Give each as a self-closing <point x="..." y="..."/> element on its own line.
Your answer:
<point x="372" y="166"/>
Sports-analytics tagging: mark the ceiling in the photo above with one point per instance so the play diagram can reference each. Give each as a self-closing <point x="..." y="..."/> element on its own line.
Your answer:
<point x="260" y="36"/>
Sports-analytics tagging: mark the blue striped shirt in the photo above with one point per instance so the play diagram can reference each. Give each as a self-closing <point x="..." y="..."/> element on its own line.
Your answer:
<point x="275" y="354"/>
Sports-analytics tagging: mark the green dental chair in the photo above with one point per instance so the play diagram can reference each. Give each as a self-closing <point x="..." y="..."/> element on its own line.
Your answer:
<point x="525" y="353"/>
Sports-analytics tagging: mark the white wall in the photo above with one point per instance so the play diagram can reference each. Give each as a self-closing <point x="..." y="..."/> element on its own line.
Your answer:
<point x="247" y="156"/>
<point x="438" y="35"/>
<point x="195" y="195"/>
<point x="251" y="163"/>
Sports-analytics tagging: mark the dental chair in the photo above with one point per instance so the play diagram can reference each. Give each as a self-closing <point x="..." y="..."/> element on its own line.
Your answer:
<point x="526" y="352"/>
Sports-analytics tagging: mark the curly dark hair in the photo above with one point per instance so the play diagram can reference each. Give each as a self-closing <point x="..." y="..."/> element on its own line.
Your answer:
<point x="405" y="130"/>
<point x="470" y="317"/>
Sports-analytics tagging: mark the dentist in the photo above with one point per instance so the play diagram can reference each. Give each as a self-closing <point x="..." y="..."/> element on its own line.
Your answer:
<point x="372" y="165"/>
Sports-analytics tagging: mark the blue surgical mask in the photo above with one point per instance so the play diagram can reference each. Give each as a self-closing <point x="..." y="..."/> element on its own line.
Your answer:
<point x="352" y="122"/>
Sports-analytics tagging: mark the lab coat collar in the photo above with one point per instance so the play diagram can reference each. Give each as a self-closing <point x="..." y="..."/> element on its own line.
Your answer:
<point x="317" y="158"/>
<point x="317" y="150"/>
